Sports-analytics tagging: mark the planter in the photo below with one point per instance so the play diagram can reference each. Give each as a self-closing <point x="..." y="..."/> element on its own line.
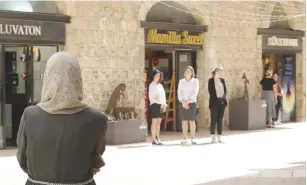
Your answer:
<point x="247" y="114"/>
<point x="126" y="132"/>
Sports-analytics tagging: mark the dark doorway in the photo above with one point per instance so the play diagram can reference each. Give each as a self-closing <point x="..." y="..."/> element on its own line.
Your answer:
<point x="24" y="67"/>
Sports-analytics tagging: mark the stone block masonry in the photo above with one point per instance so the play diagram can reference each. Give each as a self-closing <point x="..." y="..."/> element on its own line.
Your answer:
<point x="107" y="38"/>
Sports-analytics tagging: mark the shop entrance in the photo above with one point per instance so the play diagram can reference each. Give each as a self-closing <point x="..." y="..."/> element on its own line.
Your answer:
<point x="27" y="41"/>
<point x="284" y="64"/>
<point x="169" y="62"/>
<point x="280" y="49"/>
<point x="23" y="68"/>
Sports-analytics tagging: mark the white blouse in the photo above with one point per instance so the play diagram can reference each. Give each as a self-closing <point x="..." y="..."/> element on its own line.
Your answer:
<point x="188" y="90"/>
<point x="219" y="88"/>
<point x="156" y="89"/>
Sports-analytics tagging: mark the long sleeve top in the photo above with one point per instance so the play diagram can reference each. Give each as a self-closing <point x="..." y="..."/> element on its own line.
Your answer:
<point x="188" y="90"/>
<point x="156" y="90"/>
<point x="219" y="88"/>
<point x="213" y="94"/>
<point x="60" y="148"/>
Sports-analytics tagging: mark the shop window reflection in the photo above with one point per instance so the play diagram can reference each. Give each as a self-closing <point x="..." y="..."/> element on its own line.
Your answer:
<point x="41" y="54"/>
<point x="29" y="6"/>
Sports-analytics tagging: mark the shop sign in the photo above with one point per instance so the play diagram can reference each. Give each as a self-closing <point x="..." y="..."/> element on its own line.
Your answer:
<point x="15" y="29"/>
<point x="274" y="41"/>
<point x="282" y="43"/>
<point x="173" y="37"/>
<point x="31" y="31"/>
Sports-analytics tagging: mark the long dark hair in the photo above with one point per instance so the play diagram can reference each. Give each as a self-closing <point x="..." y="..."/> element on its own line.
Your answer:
<point x="153" y="74"/>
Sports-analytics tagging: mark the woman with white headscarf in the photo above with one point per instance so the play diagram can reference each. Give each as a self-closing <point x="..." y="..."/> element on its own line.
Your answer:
<point x="61" y="140"/>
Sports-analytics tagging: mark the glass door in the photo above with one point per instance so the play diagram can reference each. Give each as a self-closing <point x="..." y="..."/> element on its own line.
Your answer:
<point x="2" y="85"/>
<point x="15" y="65"/>
<point x="183" y="60"/>
<point x="40" y="54"/>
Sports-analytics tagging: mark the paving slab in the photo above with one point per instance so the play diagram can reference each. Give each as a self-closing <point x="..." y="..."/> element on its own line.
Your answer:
<point x="267" y="157"/>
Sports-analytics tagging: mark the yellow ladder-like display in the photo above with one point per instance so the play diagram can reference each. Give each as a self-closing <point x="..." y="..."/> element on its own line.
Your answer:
<point x="171" y="102"/>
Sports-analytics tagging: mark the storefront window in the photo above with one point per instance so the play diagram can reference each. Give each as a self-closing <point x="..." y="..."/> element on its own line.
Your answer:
<point x="41" y="54"/>
<point x="29" y="6"/>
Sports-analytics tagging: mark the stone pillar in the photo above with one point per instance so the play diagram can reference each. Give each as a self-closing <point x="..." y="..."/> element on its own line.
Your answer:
<point x="301" y="84"/>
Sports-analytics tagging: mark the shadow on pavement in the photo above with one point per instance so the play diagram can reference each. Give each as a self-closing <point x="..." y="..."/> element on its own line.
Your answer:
<point x="170" y="136"/>
<point x="142" y="145"/>
<point x="174" y="138"/>
<point x="295" y="175"/>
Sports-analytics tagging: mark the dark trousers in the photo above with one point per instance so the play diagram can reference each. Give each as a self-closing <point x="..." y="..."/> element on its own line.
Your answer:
<point x="217" y="115"/>
<point x="278" y="106"/>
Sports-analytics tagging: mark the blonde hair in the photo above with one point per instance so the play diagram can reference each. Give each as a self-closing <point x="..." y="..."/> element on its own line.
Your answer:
<point x="192" y="71"/>
<point x="268" y="73"/>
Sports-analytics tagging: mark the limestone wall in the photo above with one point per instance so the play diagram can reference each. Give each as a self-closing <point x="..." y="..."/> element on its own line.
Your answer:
<point x="108" y="40"/>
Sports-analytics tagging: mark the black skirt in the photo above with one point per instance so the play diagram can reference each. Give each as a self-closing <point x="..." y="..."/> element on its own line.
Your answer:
<point x="188" y="114"/>
<point x="155" y="111"/>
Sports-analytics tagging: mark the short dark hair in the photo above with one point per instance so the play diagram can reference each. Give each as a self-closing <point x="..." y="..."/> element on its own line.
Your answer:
<point x="192" y="70"/>
<point x="213" y="73"/>
<point x="153" y="74"/>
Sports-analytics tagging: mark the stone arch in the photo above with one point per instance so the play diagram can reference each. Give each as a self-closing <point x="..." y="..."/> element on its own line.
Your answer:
<point x="281" y="9"/>
<point x="29" y="6"/>
<point x="188" y="6"/>
<point x="278" y="13"/>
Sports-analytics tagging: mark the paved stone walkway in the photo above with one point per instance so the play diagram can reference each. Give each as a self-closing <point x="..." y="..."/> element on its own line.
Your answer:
<point x="268" y="157"/>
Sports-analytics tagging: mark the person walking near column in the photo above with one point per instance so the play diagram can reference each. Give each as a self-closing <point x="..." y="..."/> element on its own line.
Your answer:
<point x="268" y="90"/>
<point x="61" y="140"/>
<point x="157" y="98"/>
<point x="188" y="88"/>
<point x="217" y="103"/>
<point x="279" y="90"/>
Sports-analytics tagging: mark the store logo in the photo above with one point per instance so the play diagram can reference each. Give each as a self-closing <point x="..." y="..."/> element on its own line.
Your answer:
<point x="274" y="41"/>
<point x="172" y="37"/>
<point x="15" y="29"/>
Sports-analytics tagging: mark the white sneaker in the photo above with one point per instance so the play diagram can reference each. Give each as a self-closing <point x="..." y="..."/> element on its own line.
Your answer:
<point x="219" y="139"/>
<point x="184" y="142"/>
<point x="213" y="140"/>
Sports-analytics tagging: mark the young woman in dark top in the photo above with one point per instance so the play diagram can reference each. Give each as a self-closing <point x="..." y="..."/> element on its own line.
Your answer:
<point x="267" y="87"/>
<point x="60" y="141"/>
<point x="217" y="103"/>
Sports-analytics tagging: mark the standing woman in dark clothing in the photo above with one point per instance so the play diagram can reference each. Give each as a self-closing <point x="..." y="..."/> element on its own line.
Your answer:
<point x="61" y="140"/>
<point x="267" y="87"/>
<point x="217" y="103"/>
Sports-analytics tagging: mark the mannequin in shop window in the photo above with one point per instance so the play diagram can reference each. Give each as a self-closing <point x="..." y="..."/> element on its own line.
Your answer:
<point x="157" y="99"/>
<point x="279" y="92"/>
<point x="267" y="87"/>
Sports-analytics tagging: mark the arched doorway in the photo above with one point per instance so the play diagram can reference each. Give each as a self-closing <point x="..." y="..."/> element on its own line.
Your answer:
<point x="172" y="39"/>
<point x="280" y="48"/>
<point x="30" y="32"/>
<point x="29" y="6"/>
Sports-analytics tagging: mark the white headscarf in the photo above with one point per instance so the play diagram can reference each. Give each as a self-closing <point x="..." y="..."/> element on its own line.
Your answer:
<point x="62" y="91"/>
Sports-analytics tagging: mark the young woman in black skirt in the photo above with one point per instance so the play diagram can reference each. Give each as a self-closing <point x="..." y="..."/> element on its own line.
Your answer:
<point x="157" y="99"/>
<point x="188" y="88"/>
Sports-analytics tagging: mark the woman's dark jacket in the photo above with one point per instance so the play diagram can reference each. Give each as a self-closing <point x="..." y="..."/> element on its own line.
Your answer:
<point x="213" y="100"/>
<point x="61" y="148"/>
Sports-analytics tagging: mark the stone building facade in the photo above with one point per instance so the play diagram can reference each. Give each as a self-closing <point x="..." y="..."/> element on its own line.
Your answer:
<point x="107" y="38"/>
